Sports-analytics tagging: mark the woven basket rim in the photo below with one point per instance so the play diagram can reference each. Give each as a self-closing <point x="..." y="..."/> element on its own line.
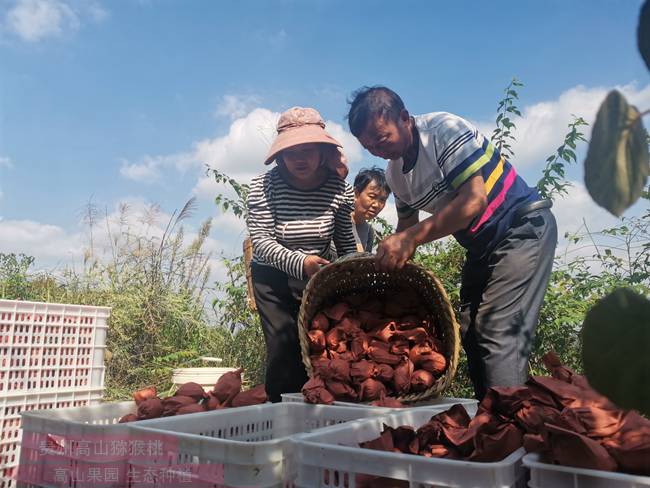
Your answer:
<point x="444" y="311"/>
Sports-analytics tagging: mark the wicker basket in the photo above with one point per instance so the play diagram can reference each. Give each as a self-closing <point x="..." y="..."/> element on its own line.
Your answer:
<point x="356" y="273"/>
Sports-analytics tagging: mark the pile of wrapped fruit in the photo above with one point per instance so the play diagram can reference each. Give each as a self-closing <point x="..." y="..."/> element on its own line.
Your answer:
<point x="192" y="398"/>
<point x="560" y="417"/>
<point x="373" y="349"/>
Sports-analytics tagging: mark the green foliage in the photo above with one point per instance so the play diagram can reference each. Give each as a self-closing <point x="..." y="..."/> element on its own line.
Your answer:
<point x="241" y="339"/>
<point x="231" y="303"/>
<point x="553" y="183"/>
<point x="382" y="228"/>
<point x="243" y="347"/>
<point x="235" y="205"/>
<point x="616" y="339"/>
<point x="617" y="163"/>
<point x="503" y="134"/>
<point x="616" y="331"/>
<point x="156" y="284"/>
<point x="445" y="260"/>
<point x="13" y="276"/>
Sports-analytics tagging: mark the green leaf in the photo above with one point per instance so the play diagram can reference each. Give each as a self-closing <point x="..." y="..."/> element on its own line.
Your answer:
<point x="617" y="163"/>
<point x="616" y="341"/>
<point x="569" y="155"/>
<point x="643" y="33"/>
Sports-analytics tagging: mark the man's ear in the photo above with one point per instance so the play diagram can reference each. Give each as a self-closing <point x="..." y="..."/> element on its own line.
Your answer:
<point x="404" y="115"/>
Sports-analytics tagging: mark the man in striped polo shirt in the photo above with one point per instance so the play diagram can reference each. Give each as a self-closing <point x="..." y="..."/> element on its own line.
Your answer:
<point x="441" y="164"/>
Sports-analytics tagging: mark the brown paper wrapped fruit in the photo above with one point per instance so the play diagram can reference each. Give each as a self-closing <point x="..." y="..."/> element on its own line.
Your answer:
<point x="559" y="416"/>
<point x="191" y="398"/>
<point x="373" y="350"/>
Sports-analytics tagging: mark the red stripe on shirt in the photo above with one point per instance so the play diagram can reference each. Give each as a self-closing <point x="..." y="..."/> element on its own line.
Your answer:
<point x="498" y="200"/>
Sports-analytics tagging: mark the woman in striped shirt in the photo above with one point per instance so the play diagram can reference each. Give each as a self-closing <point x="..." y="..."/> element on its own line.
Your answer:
<point x="296" y="211"/>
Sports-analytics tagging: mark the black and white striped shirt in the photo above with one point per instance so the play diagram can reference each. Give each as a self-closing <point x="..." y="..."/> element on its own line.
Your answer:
<point x="287" y="224"/>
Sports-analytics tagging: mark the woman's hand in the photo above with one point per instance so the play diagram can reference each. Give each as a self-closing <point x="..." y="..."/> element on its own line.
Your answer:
<point x="312" y="264"/>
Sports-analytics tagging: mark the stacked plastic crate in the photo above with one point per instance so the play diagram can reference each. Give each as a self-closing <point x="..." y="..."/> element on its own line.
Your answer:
<point x="51" y="356"/>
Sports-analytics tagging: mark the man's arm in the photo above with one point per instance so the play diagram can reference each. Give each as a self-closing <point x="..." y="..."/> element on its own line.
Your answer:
<point x="405" y="223"/>
<point x="469" y="203"/>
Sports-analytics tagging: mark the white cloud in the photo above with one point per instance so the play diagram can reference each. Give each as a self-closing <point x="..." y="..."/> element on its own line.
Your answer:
<point x="5" y="162"/>
<point x="351" y="147"/>
<point x="147" y="171"/>
<point x="577" y="208"/>
<point x="236" y="106"/>
<point x="543" y="125"/>
<point x="150" y="168"/>
<point x="578" y="215"/>
<point x="35" y="20"/>
<point x="56" y="247"/>
<point x="239" y="153"/>
<point x="51" y="244"/>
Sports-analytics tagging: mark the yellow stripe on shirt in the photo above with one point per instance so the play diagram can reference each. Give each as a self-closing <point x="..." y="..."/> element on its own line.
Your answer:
<point x="474" y="167"/>
<point x="494" y="176"/>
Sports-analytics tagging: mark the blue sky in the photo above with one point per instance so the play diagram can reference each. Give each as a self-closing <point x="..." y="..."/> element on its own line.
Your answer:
<point x="126" y="100"/>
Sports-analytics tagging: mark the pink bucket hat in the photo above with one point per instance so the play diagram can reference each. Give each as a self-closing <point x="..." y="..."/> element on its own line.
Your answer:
<point x="300" y="125"/>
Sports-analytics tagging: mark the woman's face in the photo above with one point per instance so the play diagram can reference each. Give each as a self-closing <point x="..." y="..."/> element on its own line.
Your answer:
<point x="302" y="161"/>
<point x="370" y="201"/>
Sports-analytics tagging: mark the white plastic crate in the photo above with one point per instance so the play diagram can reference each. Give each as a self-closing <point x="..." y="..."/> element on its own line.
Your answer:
<point x="240" y="447"/>
<point x="51" y="346"/>
<point x="332" y="457"/>
<point x="543" y="475"/>
<point x="11" y="408"/>
<point x="433" y="402"/>
<point x="61" y="444"/>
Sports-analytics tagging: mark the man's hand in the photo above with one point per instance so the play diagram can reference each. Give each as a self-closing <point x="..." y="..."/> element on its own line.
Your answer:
<point x="312" y="264"/>
<point x="394" y="251"/>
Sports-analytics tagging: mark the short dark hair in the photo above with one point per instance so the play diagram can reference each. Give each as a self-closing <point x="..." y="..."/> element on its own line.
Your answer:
<point x="372" y="101"/>
<point x="367" y="175"/>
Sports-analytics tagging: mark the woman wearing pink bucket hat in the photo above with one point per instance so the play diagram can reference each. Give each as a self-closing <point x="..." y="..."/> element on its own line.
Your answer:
<point x="296" y="211"/>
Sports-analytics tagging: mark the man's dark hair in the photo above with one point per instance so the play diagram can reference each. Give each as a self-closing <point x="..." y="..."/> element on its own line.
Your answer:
<point x="369" y="102"/>
<point x="366" y="175"/>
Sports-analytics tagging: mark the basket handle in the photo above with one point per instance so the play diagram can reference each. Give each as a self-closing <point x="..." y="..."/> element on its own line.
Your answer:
<point x="354" y="255"/>
<point x="343" y="259"/>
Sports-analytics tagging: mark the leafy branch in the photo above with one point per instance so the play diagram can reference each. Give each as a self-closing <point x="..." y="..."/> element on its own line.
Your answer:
<point x="503" y="136"/>
<point x="553" y="181"/>
<point x="236" y="205"/>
